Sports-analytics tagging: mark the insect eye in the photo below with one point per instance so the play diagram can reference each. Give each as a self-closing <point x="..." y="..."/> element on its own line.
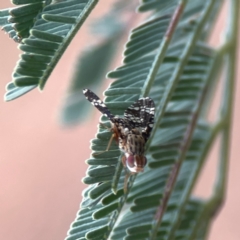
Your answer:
<point x="145" y="161"/>
<point x="142" y="161"/>
<point x="130" y="161"/>
<point x="136" y="163"/>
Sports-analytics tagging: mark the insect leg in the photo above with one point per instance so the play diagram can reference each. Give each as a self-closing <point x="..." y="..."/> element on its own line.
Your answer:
<point x="108" y="146"/>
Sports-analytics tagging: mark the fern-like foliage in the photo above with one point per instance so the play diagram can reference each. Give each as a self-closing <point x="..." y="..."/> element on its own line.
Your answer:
<point x="44" y="29"/>
<point x="175" y="70"/>
<point x="167" y="57"/>
<point x="17" y="22"/>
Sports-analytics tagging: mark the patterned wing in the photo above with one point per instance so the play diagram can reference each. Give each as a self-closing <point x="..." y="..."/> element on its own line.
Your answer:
<point x="148" y="129"/>
<point x="141" y="115"/>
<point x="96" y="102"/>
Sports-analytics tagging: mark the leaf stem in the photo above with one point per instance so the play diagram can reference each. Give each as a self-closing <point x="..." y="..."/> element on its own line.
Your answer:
<point x="117" y="175"/>
<point x="163" y="48"/>
<point x="188" y="134"/>
<point x="176" y="168"/>
<point x="227" y="103"/>
<point x="214" y="131"/>
<point x="178" y="70"/>
<point x="215" y="202"/>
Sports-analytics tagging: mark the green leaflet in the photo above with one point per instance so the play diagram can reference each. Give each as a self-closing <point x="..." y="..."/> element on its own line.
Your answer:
<point x="165" y="145"/>
<point x="49" y="31"/>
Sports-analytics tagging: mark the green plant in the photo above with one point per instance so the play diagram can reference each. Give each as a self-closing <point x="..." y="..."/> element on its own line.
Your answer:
<point x="168" y="58"/>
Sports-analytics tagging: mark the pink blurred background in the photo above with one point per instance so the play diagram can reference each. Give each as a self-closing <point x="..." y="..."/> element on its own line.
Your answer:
<point x="42" y="164"/>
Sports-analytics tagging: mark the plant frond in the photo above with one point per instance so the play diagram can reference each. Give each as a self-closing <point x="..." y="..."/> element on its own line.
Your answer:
<point x="141" y="231"/>
<point x="52" y="31"/>
<point x="165" y="148"/>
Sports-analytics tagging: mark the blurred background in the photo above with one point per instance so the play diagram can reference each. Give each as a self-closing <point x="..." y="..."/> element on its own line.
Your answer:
<point x="42" y="163"/>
